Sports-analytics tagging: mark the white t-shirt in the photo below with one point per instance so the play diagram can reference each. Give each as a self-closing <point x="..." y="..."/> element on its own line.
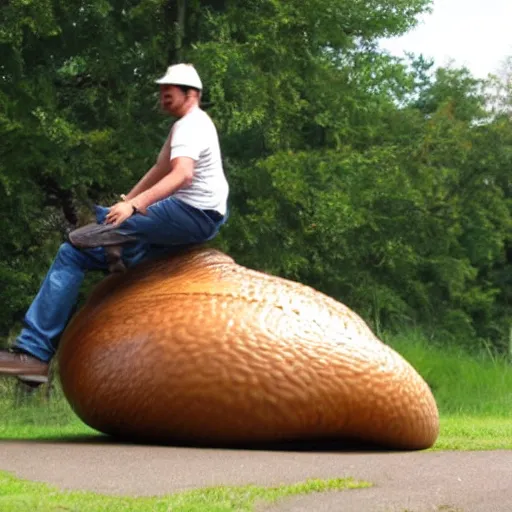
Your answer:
<point x="195" y="136"/>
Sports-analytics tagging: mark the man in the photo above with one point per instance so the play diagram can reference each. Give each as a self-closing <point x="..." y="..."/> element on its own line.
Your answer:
<point x="181" y="201"/>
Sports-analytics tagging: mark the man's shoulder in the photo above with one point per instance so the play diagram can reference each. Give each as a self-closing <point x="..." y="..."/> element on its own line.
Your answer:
<point x="199" y="115"/>
<point x="194" y="118"/>
<point x="199" y="121"/>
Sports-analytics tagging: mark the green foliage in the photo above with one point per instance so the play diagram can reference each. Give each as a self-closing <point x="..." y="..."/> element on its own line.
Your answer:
<point x="371" y="179"/>
<point x="77" y="113"/>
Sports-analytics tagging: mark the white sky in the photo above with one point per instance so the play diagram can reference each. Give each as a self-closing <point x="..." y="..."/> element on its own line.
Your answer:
<point x="474" y="33"/>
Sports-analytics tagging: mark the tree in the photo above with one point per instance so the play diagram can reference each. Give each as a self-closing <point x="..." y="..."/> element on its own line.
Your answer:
<point x="364" y="176"/>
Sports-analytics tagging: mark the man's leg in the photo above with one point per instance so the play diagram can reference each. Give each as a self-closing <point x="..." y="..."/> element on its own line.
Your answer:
<point x="168" y="225"/>
<point x="49" y="313"/>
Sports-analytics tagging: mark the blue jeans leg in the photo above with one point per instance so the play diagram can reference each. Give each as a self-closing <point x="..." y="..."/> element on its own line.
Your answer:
<point x="168" y="225"/>
<point x="52" y="307"/>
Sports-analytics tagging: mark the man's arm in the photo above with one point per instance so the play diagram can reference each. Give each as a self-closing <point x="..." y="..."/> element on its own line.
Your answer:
<point x="181" y="175"/>
<point x="156" y="173"/>
<point x="165" y="177"/>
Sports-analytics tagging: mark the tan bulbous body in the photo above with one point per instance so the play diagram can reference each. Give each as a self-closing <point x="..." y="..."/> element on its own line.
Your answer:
<point x="197" y="348"/>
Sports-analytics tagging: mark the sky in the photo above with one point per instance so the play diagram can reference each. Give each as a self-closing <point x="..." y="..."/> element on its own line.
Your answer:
<point x="473" y="33"/>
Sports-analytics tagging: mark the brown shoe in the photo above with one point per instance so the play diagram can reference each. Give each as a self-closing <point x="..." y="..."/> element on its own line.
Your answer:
<point x="24" y="366"/>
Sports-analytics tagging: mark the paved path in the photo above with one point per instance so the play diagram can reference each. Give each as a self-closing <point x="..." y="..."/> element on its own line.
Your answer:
<point x="412" y="482"/>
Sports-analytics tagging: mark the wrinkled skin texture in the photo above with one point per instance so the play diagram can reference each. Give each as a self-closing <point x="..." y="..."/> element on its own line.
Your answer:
<point x="196" y="348"/>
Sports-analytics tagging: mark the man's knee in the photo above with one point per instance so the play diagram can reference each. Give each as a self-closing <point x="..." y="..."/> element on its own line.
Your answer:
<point x="85" y="259"/>
<point x="98" y="235"/>
<point x="67" y="253"/>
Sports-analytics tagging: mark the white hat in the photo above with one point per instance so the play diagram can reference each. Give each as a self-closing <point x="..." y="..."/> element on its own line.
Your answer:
<point x="181" y="74"/>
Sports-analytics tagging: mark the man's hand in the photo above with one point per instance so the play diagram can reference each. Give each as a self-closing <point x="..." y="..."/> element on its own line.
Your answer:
<point x="119" y="213"/>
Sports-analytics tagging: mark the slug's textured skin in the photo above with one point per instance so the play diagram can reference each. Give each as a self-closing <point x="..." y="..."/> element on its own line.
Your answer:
<point x="199" y="349"/>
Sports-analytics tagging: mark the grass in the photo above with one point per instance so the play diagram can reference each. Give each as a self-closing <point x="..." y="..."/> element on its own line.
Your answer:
<point x="473" y="393"/>
<point x="474" y="396"/>
<point x="474" y="433"/>
<point x="463" y="385"/>
<point x="55" y="420"/>
<point x="20" y="495"/>
<point x="37" y="418"/>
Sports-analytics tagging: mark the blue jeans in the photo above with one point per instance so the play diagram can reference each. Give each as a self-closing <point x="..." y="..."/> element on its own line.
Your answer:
<point x="169" y="224"/>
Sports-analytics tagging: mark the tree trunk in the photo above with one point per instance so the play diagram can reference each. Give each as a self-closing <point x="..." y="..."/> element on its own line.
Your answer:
<point x="179" y="30"/>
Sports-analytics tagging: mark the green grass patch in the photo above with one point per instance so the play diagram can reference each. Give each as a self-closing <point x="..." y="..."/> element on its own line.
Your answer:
<point x="56" y="421"/>
<point x="474" y="433"/>
<point x="35" y="417"/>
<point x="20" y="495"/>
<point x="463" y="384"/>
<point x="473" y="393"/>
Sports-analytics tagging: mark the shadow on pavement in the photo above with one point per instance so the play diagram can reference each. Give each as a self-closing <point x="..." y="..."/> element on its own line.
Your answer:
<point x="320" y="445"/>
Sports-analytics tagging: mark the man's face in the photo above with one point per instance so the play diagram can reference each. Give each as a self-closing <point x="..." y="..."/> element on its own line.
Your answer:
<point x="172" y="99"/>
